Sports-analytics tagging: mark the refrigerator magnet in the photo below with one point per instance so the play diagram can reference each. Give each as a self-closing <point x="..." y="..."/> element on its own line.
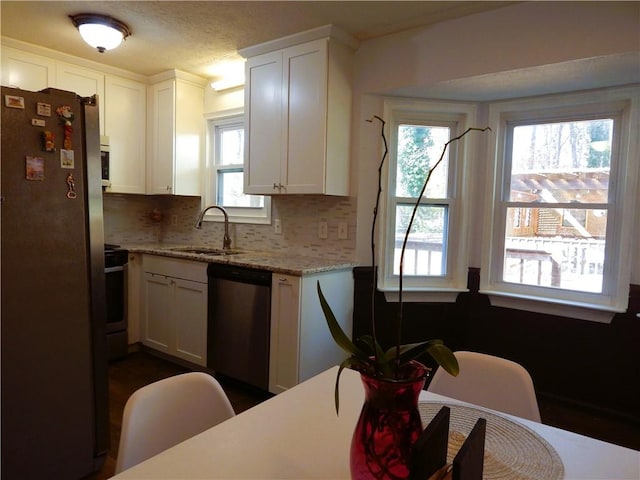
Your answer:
<point x="66" y="159"/>
<point x="66" y="116"/>
<point x="43" y="109"/>
<point x="35" y="168"/>
<point x="13" y="101"/>
<point x="71" y="186"/>
<point x="48" y="141"/>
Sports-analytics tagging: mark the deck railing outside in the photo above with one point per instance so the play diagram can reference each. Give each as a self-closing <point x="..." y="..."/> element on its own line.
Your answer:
<point x="575" y="264"/>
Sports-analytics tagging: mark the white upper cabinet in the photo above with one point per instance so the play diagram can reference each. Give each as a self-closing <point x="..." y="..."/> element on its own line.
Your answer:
<point x="125" y="117"/>
<point x="26" y="70"/>
<point x="84" y="82"/>
<point x="298" y="112"/>
<point x="122" y="107"/>
<point x="176" y="134"/>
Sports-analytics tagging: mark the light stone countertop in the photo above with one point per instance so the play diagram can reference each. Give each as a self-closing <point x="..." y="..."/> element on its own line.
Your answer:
<point x="274" y="262"/>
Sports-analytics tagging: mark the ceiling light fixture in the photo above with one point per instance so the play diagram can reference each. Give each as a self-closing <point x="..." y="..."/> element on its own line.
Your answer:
<point x="100" y="31"/>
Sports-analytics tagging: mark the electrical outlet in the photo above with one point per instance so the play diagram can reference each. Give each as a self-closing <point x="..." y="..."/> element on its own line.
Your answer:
<point x="322" y="230"/>
<point x="277" y="226"/>
<point x="343" y="230"/>
<point x="174" y="220"/>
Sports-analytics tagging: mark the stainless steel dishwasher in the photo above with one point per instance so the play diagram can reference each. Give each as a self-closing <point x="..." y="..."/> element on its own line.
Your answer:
<point x="239" y="322"/>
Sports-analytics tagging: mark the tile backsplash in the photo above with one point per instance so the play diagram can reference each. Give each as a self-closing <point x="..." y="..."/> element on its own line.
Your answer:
<point x="148" y="219"/>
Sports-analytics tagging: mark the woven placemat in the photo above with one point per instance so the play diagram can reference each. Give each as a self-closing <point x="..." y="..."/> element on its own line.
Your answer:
<point x="512" y="451"/>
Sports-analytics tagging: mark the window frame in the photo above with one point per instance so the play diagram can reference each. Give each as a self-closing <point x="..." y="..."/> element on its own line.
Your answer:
<point x="250" y="215"/>
<point x="615" y="103"/>
<point x="443" y="288"/>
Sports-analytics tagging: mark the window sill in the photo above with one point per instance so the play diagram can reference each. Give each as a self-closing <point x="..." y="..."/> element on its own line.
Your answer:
<point x="424" y="296"/>
<point x="593" y="313"/>
<point x="255" y="216"/>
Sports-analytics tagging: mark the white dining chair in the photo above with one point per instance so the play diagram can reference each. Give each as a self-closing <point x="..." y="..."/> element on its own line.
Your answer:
<point x="164" y="413"/>
<point x="491" y="382"/>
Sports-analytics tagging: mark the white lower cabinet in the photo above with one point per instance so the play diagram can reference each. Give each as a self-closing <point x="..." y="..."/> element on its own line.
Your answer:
<point x="301" y="345"/>
<point x="175" y="307"/>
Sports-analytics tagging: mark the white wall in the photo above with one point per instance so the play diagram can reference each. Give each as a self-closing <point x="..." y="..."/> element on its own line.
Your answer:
<point x="221" y="101"/>
<point x="526" y="35"/>
<point x="534" y="38"/>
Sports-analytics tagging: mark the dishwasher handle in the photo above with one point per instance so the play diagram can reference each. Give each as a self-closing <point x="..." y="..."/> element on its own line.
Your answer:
<point x="251" y="276"/>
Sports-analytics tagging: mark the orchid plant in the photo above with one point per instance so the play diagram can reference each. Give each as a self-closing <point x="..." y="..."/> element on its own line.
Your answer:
<point x="366" y="354"/>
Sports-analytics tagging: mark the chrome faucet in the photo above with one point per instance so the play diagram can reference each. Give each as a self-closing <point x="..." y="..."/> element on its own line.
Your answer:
<point x="226" y="243"/>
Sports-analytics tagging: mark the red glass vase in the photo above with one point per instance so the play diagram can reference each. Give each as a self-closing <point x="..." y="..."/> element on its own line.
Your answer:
<point x="388" y="426"/>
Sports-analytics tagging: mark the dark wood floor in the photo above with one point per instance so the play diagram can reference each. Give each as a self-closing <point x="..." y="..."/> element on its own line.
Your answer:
<point x="141" y="368"/>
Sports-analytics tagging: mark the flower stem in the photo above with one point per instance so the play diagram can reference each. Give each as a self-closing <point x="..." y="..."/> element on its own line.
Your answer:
<point x="408" y="231"/>
<point x="373" y="229"/>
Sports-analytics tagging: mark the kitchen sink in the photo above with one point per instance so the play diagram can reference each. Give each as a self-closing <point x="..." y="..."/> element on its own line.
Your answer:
<point x="204" y="251"/>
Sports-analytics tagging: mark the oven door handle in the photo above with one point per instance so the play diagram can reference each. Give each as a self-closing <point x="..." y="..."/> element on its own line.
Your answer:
<point x="118" y="268"/>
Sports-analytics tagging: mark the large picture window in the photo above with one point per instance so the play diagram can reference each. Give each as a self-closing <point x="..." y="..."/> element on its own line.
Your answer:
<point x="557" y="223"/>
<point x="558" y="166"/>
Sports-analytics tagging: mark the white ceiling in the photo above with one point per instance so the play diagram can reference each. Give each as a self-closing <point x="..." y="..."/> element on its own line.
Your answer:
<point x="195" y="36"/>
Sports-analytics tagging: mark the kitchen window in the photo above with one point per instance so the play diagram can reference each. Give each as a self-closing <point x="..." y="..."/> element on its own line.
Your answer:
<point x="226" y="166"/>
<point x="568" y="165"/>
<point x="435" y="261"/>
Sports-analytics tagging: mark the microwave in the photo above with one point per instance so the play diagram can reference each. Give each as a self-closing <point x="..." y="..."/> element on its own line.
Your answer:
<point x="104" y="160"/>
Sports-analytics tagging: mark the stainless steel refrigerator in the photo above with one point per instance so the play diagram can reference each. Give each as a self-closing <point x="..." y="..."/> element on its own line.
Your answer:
<point x="55" y="416"/>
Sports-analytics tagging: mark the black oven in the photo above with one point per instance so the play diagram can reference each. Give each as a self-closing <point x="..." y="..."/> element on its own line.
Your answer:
<point x="115" y="276"/>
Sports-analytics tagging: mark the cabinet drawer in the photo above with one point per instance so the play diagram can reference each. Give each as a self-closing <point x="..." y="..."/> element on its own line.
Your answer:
<point x="171" y="267"/>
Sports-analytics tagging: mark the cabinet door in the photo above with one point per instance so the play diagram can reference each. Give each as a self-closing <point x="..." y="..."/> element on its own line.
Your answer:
<point x="162" y="144"/>
<point x="264" y="124"/>
<point x="176" y="132"/>
<point x="285" y="324"/>
<point x="84" y="82"/>
<point x="189" y="138"/>
<point x="26" y="70"/>
<point x="191" y="321"/>
<point x="125" y="117"/>
<point x="306" y="86"/>
<point x="158" y="313"/>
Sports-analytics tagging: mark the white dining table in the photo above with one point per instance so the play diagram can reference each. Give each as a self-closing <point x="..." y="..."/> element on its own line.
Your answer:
<point x="298" y="435"/>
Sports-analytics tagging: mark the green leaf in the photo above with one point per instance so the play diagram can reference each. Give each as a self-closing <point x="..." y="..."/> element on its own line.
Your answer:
<point x="381" y="362"/>
<point x="435" y="348"/>
<point x="337" y="333"/>
<point x="348" y="363"/>
<point x="445" y="358"/>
